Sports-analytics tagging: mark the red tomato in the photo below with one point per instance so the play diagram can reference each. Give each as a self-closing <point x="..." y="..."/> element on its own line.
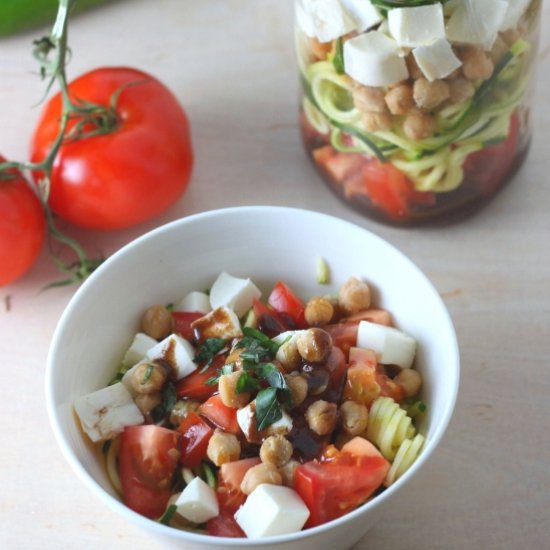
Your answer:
<point x="231" y="474"/>
<point x="194" y="385"/>
<point x="283" y="300"/>
<point x="127" y="176"/>
<point x="390" y="190"/>
<point x="182" y="323"/>
<point x="334" y="487"/>
<point x="225" y="525"/>
<point x="195" y="435"/>
<point x="219" y="414"/>
<point x="148" y="458"/>
<point x="271" y="322"/>
<point x="22" y="227"/>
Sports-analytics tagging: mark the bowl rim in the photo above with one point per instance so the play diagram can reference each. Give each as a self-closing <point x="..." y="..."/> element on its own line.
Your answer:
<point x="163" y="530"/>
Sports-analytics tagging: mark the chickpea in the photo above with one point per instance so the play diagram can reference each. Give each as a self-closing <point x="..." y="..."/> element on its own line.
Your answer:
<point x="414" y="70"/>
<point x="354" y="296"/>
<point x="410" y="381"/>
<point x="400" y="99"/>
<point x="146" y="402"/>
<point x="321" y="417"/>
<point x="314" y="344"/>
<point x="289" y="356"/>
<point x="369" y="99"/>
<point x="234" y="359"/>
<point x="227" y="386"/>
<point x="377" y="122"/>
<point x="428" y="95"/>
<point x="148" y="378"/>
<point x="223" y="447"/>
<point x="298" y="388"/>
<point x="510" y="36"/>
<point x="287" y="472"/>
<point x="354" y="417"/>
<point x="182" y="409"/>
<point x="259" y="474"/>
<point x="461" y="89"/>
<point x="500" y="47"/>
<point x="418" y="125"/>
<point x="319" y="312"/>
<point x="156" y="322"/>
<point x="476" y="64"/>
<point x="276" y="450"/>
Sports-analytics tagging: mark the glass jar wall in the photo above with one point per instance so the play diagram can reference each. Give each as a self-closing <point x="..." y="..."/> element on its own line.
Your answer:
<point x="417" y="113"/>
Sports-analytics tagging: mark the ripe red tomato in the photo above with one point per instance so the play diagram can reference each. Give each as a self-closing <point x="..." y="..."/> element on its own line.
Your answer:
<point x="283" y="300"/>
<point x="333" y="487"/>
<point x="195" y="435"/>
<point x="22" y="227"/>
<point x="126" y="176"/>
<point x="219" y="414"/>
<point x="194" y="385"/>
<point x="148" y="458"/>
<point x="182" y="323"/>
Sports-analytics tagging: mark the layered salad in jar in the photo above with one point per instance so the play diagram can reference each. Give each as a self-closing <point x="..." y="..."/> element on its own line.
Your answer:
<point x="416" y="110"/>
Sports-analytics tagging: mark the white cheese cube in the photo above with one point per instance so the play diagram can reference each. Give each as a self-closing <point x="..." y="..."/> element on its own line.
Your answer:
<point x="436" y="60"/>
<point x="373" y="59"/>
<point x="177" y="352"/>
<point x="417" y="25"/>
<point x="105" y="413"/>
<point x="140" y="345"/>
<point x="198" y="502"/>
<point x="194" y="301"/>
<point x="514" y="12"/>
<point x="219" y="323"/>
<point x="329" y="19"/>
<point x="476" y="22"/>
<point x="233" y="293"/>
<point x="246" y="419"/>
<point x="272" y="510"/>
<point x="392" y="346"/>
<point x="363" y="13"/>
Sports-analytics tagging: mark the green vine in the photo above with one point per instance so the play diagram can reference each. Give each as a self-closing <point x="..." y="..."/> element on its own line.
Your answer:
<point x="52" y="52"/>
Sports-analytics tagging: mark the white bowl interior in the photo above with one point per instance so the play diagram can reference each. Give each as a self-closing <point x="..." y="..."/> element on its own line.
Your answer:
<point x="266" y="244"/>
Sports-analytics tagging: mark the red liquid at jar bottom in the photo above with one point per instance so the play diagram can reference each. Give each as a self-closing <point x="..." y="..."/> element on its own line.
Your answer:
<point x="382" y="192"/>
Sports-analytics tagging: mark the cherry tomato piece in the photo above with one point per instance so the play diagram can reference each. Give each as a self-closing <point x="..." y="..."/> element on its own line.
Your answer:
<point x="182" y="323"/>
<point x="195" y="435"/>
<point x="220" y="415"/>
<point x="126" y="176"/>
<point x="283" y="300"/>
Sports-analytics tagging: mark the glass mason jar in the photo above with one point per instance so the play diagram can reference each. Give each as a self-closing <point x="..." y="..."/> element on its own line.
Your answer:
<point x="416" y="111"/>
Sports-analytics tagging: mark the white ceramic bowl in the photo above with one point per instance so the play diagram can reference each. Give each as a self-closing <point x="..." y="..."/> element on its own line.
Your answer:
<point x="267" y="244"/>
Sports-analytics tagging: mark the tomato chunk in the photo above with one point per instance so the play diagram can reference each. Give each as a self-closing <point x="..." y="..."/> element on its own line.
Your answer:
<point x="283" y="300"/>
<point x="182" y="323"/>
<point x="195" y="435"/>
<point x="148" y="458"/>
<point x="334" y="487"/>
<point x="270" y="321"/>
<point x="194" y="385"/>
<point x="219" y="414"/>
<point x="231" y="474"/>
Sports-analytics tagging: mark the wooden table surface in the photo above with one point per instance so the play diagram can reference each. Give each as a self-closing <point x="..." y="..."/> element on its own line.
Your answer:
<point x="231" y="63"/>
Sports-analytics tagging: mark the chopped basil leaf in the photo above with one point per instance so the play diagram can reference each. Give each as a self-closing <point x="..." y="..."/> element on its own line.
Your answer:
<point x="168" y="514"/>
<point x="168" y="400"/>
<point x="268" y="409"/>
<point x="246" y="383"/>
<point x="213" y="380"/>
<point x="208" y="350"/>
<point x="272" y="375"/>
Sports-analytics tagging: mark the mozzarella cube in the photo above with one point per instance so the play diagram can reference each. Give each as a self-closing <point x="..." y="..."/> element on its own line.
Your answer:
<point x="139" y="347"/>
<point x="475" y="22"/>
<point x="219" y="323"/>
<point x="198" y="502"/>
<point x="436" y="60"/>
<point x="232" y="292"/>
<point x="514" y="12"/>
<point x="194" y="301"/>
<point x="417" y="25"/>
<point x="272" y="510"/>
<point x="373" y="59"/>
<point x="392" y="346"/>
<point x="105" y="413"/>
<point x="177" y="352"/>
<point x="246" y="419"/>
<point x="363" y="13"/>
<point x="328" y="18"/>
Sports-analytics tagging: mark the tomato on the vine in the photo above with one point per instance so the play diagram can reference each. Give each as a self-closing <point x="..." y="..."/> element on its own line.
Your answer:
<point x="125" y="176"/>
<point x="22" y="227"/>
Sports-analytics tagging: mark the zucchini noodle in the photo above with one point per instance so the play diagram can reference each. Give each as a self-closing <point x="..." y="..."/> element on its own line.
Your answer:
<point x="406" y="455"/>
<point x="315" y="117"/>
<point x="111" y="465"/>
<point x="389" y="425"/>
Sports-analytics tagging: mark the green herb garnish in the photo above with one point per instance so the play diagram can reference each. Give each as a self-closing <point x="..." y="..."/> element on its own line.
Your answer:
<point x="168" y="514"/>
<point x="213" y="380"/>
<point x="168" y="400"/>
<point x="209" y="350"/>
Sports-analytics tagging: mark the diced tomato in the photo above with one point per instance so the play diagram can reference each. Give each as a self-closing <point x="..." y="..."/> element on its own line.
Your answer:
<point x="283" y="300"/>
<point x="322" y="154"/>
<point x="220" y="415"/>
<point x="224" y="525"/>
<point x="390" y="190"/>
<point x="182" y="323"/>
<point x="334" y="487"/>
<point x="195" y="435"/>
<point x="231" y="474"/>
<point x="374" y="315"/>
<point x="148" y="458"/>
<point x="194" y="385"/>
<point x="343" y="165"/>
<point x="344" y="335"/>
<point x="270" y="321"/>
